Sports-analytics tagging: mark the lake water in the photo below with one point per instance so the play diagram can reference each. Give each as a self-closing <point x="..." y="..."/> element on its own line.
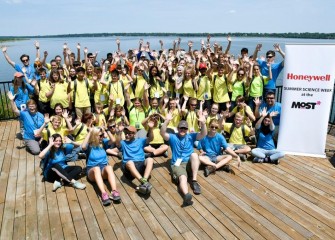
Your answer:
<point x="103" y="45"/>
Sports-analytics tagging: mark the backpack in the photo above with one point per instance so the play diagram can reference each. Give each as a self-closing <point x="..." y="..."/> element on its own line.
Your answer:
<point x="232" y="128"/>
<point x="110" y="85"/>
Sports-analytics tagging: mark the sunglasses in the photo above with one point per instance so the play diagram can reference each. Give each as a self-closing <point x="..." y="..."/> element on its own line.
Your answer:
<point x="269" y="56"/>
<point x="240" y="74"/>
<point x="214" y="127"/>
<point x="25" y="60"/>
<point x="193" y="105"/>
<point x="112" y="126"/>
<point x="270" y="98"/>
<point x="183" y="128"/>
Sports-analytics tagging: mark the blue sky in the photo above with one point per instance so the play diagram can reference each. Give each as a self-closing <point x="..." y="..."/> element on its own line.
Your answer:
<point x="42" y="17"/>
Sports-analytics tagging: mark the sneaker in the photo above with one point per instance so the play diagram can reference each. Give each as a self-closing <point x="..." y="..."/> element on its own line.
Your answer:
<point x="105" y="199"/>
<point x="115" y="196"/>
<point x="145" y="188"/>
<point x="81" y="155"/>
<point x="209" y="170"/>
<point x="78" y="185"/>
<point x="195" y="187"/>
<point x="166" y="154"/>
<point x="226" y="168"/>
<point x="56" y="185"/>
<point x="119" y="155"/>
<point x="275" y="161"/>
<point x="243" y="157"/>
<point x="187" y="200"/>
<point x="258" y="160"/>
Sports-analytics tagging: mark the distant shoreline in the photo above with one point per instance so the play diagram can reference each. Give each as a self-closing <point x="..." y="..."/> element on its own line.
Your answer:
<point x="305" y="35"/>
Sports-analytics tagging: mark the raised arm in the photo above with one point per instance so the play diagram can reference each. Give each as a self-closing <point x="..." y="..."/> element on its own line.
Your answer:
<point x="4" y="50"/>
<point x="257" y="49"/>
<point x="279" y="50"/>
<point x="203" y="126"/>
<point x="229" y="44"/>
<point x="163" y="132"/>
<point x="12" y="103"/>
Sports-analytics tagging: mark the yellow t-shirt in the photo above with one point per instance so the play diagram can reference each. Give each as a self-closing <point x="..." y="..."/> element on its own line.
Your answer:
<point x="173" y="124"/>
<point x="237" y="136"/>
<point x="44" y="88"/>
<point x="139" y="90"/>
<point x="116" y="89"/>
<point x="189" y="89"/>
<point x="125" y="82"/>
<point x="60" y="95"/>
<point x="243" y="112"/>
<point x="220" y="90"/>
<point x="156" y="90"/>
<point x="192" y="121"/>
<point x="82" y="135"/>
<point x="101" y="93"/>
<point x="101" y="121"/>
<point x="204" y="88"/>
<point x="61" y="131"/>
<point x="256" y="86"/>
<point x="158" y="139"/>
<point x="136" y="116"/>
<point x="82" y="94"/>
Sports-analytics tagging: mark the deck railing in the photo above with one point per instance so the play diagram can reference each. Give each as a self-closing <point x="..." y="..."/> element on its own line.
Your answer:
<point x="7" y="113"/>
<point x="5" y="108"/>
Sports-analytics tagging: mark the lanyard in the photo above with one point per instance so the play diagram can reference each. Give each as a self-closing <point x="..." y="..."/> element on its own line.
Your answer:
<point x="35" y="121"/>
<point x="117" y="89"/>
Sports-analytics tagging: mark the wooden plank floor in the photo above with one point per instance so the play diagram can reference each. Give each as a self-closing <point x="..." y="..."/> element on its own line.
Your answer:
<point x="294" y="200"/>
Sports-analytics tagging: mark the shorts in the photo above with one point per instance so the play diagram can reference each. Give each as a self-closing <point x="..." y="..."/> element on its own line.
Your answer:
<point x="213" y="158"/>
<point x="140" y="167"/>
<point x="155" y="146"/>
<point x="183" y="169"/>
<point x="236" y="146"/>
<point x="101" y="166"/>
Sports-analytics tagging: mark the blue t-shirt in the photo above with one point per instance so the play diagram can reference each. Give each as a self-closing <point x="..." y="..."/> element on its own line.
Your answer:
<point x="265" y="141"/>
<point x="133" y="150"/>
<point x="31" y="122"/>
<point x="59" y="158"/>
<point x="21" y="96"/>
<point x="275" y="108"/>
<point x="96" y="156"/>
<point x="182" y="147"/>
<point x="30" y="70"/>
<point x="212" y="145"/>
<point x="275" y="69"/>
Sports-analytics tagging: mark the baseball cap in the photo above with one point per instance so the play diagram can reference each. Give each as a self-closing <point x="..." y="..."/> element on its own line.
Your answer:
<point x="131" y="129"/>
<point x="182" y="124"/>
<point x="18" y="74"/>
<point x="202" y="66"/>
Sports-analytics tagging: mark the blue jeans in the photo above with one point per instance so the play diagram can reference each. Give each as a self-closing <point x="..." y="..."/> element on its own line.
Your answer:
<point x="262" y="153"/>
<point x="71" y="152"/>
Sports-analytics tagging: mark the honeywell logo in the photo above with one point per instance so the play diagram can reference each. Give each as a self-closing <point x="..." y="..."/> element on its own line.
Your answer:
<point x="291" y="76"/>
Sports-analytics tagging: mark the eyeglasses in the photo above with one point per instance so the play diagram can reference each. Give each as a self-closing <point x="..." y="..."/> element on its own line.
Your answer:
<point x="183" y="128"/>
<point x="112" y="126"/>
<point x="270" y="98"/>
<point x="193" y="105"/>
<point x="269" y="56"/>
<point x="240" y="74"/>
<point x="214" y="127"/>
<point x="25" y="60"/>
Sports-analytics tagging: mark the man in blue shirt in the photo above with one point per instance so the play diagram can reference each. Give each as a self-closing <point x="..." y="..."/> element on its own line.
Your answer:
<point x="276" y="68"/>
<point x="184" y="163"/>
<point x="134" y="164"/>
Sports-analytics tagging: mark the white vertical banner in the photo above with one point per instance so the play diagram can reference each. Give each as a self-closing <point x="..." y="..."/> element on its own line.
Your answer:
<point x="308" y="83"/>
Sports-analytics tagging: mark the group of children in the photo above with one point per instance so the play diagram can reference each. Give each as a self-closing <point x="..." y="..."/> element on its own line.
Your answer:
<point x="86" y="108"/>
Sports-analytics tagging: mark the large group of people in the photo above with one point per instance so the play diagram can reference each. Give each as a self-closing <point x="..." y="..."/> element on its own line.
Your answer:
<point x="136" y="105"/>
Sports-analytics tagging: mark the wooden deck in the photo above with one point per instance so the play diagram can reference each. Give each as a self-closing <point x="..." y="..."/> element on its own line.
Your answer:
<point x="294" y="200"/>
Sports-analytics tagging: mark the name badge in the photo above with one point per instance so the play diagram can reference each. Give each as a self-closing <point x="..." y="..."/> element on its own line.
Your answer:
<point x="206" y="96"/>
<point x="178" y="162"/>
<point x="102" y="98"/>
<point x="118" y="101"/>
<point x="156" y="94"/>
<point x="137" y="125"/>
<point x="23" y="107"/>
